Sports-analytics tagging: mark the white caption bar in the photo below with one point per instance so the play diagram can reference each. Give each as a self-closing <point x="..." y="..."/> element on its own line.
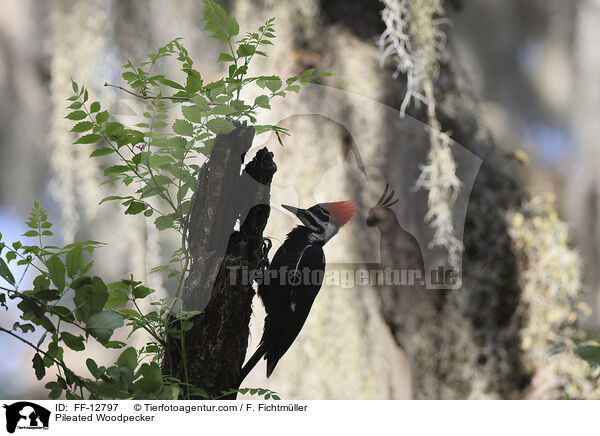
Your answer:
<point x="299" y="417"/>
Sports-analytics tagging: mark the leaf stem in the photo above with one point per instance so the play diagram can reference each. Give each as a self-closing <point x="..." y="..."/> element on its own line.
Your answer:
<point x="57" y="362"/>
<point x="147" y="97"/>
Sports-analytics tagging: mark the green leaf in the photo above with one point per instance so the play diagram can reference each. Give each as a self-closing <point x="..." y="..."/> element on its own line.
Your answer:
<point x="76" y="115"/>
<point x="151" y="378"/>
<point x="220" y="11"/>
<point x="116" y="299"/>
<point x="158" y="161"/>
<point x="54" y="351"/>
<point x="24" y="327"/>
<point x="170" y="392"/>
<point x="164" y="222"/>
<point x="102" y="117"/>
<point x="47" y="294"/>
<point x="182" y="127"/>
<point x="111" y="180"/>
<point x="95" y="107"/>
<point x="233" y="28"/>
<point x="103" y="324"/>
<point x="89" y="139"/>
<point x="52" y="385"/>
<point x="142" y="292"/>
<point x="82" y="126"/>
<point x="221" y="36"/>
<point x="11" y="255"/>
<point x="128" y="358"/>
<point x="114" y="344"/>
<point x="590" y="351"/>
<point x="33" y="311"/>
<point x="64" y="313"/>
<point x="245" y="50"/>
<point x="274" y="84"/>
<point x="169" y="83"/>
<point x="212" y="24"/>
<point x="114" y="130"/>
<point x="121" y="285"/>
<point x="92" y="367"/>
<point x="103" y="151"/>
<point x="31" y="233"/>
<point x="116" y="169"/>
<point x="129" y="76"/>
<point x="111" y="198"/>
<point x="220" y="126"/>
<point x="5" y="272"/>
<point x="200" y="102"/>
<point x="192" y="113"/>
<point x="225" y="57"/>
<point x="193" y="82"/>
<point x="90" y="296"/>
<point x="73" y="342"/>
<point x="56" y="271"/>
<point x="307" y="73"/>
<point x="41" y="282"/>
<point x="38" y="365"/>
<point x="55" y="394"/>
<point x="74" y="260"/>
<point x="186" y="325"/>
<point x="223" y="109"/>
<point x="135" y="207"/>
<point x="262" y="101"/>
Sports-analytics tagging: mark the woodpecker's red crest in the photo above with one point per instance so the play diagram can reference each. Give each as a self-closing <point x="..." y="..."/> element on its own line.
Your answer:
<point x="341" y="211"/>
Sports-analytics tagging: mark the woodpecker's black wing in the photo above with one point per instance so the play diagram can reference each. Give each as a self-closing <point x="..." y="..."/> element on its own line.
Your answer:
<point x="288" y="302"/>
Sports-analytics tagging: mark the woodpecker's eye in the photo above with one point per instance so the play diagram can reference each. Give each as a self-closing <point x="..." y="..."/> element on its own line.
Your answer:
<point x="320" y="213"/>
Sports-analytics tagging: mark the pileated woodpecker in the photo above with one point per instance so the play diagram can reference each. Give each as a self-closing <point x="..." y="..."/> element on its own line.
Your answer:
<point x="295" y="277"/>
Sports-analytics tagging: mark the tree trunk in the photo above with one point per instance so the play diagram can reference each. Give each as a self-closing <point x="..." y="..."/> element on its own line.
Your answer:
<point x="216" y="345"/>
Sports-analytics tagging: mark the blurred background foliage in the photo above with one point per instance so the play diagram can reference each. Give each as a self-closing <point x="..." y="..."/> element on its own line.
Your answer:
<point x="515" y="82"/>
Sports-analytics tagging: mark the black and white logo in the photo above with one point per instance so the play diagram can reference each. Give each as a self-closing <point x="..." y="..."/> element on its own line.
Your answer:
<point x="26" y="415"/>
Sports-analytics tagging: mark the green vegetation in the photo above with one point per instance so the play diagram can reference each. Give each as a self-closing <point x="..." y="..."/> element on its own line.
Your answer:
<point x="157" y="162"/>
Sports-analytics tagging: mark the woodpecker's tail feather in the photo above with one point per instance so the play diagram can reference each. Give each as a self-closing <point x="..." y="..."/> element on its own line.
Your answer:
<point x="271" y="364"/>
<point x="260" y="352"/>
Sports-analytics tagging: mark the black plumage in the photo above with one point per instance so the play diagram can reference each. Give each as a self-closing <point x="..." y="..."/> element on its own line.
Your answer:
<point x="295" y="278"/>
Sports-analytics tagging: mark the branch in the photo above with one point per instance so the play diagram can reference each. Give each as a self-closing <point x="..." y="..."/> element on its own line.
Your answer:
<point x="147" y="97"/>
<point x="57" y="362"/>
<point x="150" y="97"/>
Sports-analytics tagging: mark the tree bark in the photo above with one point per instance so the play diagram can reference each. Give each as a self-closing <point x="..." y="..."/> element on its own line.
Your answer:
<point x="216" y="345"/>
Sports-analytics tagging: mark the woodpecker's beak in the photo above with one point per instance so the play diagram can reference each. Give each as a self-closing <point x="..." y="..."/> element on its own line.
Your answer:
<point x="300" y="213"/>
<point x="292" y="209"/>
